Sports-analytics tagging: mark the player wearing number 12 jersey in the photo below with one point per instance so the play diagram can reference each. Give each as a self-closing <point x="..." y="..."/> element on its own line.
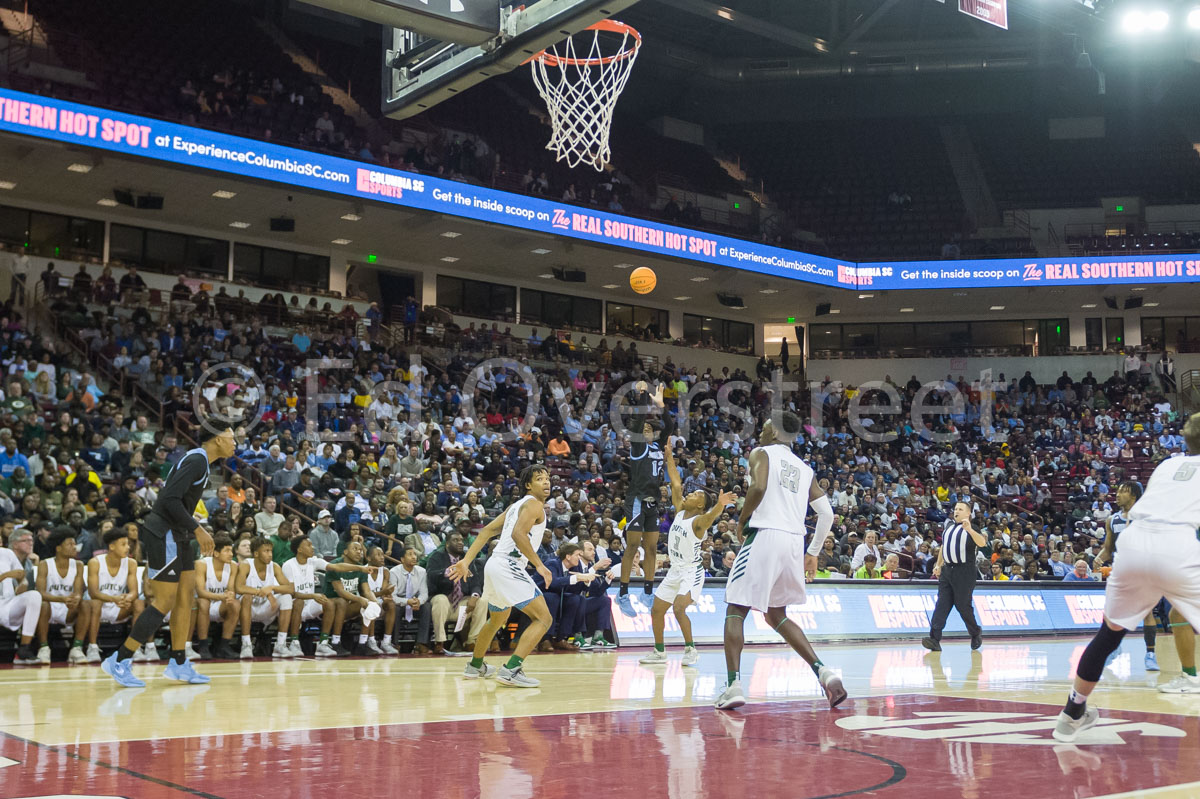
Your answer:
<point x="695" y="514"/>
<point x="768" y="573"/>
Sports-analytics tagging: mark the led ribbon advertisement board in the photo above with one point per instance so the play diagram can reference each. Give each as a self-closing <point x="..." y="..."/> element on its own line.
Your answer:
<point x="194" y="147"/>
<point x="872" y="610"/>
<point x="73" y="123"/>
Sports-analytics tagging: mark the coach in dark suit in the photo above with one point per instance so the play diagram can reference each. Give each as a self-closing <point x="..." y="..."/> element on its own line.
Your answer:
<point x="564" y="596"/>
<point x="956" y="574"/>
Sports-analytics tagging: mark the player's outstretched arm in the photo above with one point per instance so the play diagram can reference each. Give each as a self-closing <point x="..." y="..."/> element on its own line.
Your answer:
<point x="701" y="523"/>
<point x="673" y="476"/>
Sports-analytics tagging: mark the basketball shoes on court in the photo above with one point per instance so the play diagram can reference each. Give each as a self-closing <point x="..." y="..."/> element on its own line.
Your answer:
<point x="1151" y="662"/>
<point x="1067" y="729"/>
<point x="1183" y="684"/>
<point x="185" y="672"/>
<point x="834" y="691"/>
<point x="691" y="656"/>
<point x="482" y="672"/>
<point x="516" y="678"/>
<point x="732" y="697"/>
<point x="655" y="658"/>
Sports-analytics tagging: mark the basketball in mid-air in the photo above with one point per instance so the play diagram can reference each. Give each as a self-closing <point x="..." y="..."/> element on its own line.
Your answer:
<point x="643" y="280"/>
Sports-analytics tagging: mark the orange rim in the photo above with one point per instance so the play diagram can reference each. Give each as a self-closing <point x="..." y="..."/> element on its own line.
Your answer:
<point x="608" y="25"/>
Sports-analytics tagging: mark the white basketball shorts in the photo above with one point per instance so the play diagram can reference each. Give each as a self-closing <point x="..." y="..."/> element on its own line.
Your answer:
<point x="506" y="584"/>
<point x="768" y="571"/>
<point x="680" y="582"/>
<point x="1152" y="563"/>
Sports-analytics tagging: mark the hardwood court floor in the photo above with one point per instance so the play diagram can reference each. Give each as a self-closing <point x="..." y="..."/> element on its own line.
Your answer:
<point x="917" y="724"/>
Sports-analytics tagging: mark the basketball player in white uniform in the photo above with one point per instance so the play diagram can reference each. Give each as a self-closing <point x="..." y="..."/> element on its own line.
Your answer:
<point x="380" y="580"/>
<point x="1159" y="556"/>
<point x="20" y="605"/>
<point x="215" y="598"/>
<point x="506" y="584"/>
<point x="258" y="581"/>
<point x="60" y="582"/>
<point x="768" y="573"/>
<point x="684" y="580"/>
<point x="112" y="588"/>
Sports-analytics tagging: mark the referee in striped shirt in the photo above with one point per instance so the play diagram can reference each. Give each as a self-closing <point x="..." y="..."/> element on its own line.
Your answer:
<point x="956" y="573"/>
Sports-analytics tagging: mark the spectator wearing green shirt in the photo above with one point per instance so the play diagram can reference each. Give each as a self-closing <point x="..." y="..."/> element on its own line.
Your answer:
<point x="351" y="594"/>
<point x="868" y="571"/>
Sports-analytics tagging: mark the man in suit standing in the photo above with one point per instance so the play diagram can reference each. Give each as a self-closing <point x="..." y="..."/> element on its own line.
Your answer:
<point x="447" y="598"/>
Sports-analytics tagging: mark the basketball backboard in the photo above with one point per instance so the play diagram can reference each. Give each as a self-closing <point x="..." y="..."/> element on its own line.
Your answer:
<point x="421" y="70"/>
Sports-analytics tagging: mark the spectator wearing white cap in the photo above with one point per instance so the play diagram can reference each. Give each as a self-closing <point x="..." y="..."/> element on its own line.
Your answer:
<point x="323" y="537"/>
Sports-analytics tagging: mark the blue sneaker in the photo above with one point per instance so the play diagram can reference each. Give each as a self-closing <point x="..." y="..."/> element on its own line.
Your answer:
<point x="1151" y="662"/>
<point x="121" y="671"/>
<point x="626" y="605"/>
<point x="185" y="673"/>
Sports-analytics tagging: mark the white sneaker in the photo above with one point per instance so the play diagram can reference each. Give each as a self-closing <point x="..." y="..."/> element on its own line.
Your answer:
<point x="324" y="650"/>
<point x="691" y="656"/>
<point x="77" y="655"/>
<point x="389" y="648"/>
<point x="483" y="672"/>
<point x="280" y="651"/>
<point x="731" y="698"/>
<point x="247" y="652"/>
<point x="295" y="649"/>
<point x="151" y="651"/>
<point x="1067" y="729"/>
<point x="1183" y="684"/>
<point x="189" y="653"/>
<point x="140" y="655"/>
<point x="516" y="677"/>
<point x="835" y="692"/>
<point x="655" y="658"/>
<point x="43" y="655"/>
<point x="93" y="654"/>
<point x="373" y="645"/>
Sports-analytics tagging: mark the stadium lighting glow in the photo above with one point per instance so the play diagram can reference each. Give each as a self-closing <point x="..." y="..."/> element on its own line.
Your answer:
<point x="1133" y="22"/>
<point x="1193" y="19"/>
<point x="107" y="202"/>
<point x="1157" y="20"/>
<point x="240" y="225"/>
<point x="997" y="308"/>
<point x="340" y="242"/>
<point x="351" y="217"/>
<point x="683" y="298"/>
<point x="224" y="195"/>
<point x="907" y="310"/>
<point x="610" y="286"/>
<point x="1088" y="305"/>
<point x="449" y="259"/>
<point x="7" y="185"/>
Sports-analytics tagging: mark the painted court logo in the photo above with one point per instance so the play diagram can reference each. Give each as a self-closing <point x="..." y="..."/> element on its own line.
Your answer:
<point x="1001" y="728"/>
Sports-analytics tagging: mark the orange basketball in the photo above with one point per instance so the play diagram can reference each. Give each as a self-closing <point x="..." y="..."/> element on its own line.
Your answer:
<point x="643" y="280"/>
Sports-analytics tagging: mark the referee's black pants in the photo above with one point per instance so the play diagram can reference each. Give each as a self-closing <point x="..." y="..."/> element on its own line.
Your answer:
<point x="956" y="585"/>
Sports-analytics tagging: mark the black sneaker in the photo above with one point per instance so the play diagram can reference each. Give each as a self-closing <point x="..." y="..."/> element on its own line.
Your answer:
<point x="227" y="651"/>
<point x="204" y="650"/>
<point x="340" y="650"/>
<point x="976" y="641"/>
<point x="931" y="645"/>
<point x="26" y="656"/>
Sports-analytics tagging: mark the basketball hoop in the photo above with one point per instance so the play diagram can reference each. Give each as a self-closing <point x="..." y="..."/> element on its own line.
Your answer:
<point x="581" y="91"/>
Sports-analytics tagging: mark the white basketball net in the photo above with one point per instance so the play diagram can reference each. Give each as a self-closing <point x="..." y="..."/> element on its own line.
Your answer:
<point x="581" y="92"/>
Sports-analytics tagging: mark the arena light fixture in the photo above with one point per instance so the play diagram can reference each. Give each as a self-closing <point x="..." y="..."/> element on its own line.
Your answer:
<point x="7" y="185"/>
<point x="82" y="169"/>
<point x="240" y="225"/>
<point x="865" y="296"/>
<point x="540" y="251"/>
<point x="768" y="291"/>
<point x="449" y="234"/>
<point x="1157" y="20"/>
<point x="611" y="286"/>
<point x="1138" y="288"/>
<point x="1088" y="305"/>
<point x="1151" y="305"/>
<point x="547" y="275"/>
<point x="449" y="259"/>
<point x="684" y="298"/>
<point x="224" y="195"/>
<point x="835" y="310"/>
<point x="351" y="217"/>
<point x="699" y="279"/>
<point x="622" y="266"/>
<point x="340" y="241"/>
<point x="107" y="202"/>
<point x="1193" y="19"/>
<point x="907" y="310"/>
<point x="1134" y="21"/>
<point x="996" y="308"/>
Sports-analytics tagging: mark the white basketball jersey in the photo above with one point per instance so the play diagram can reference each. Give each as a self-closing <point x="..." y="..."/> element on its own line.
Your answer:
<point x="9" y="562"/>
<point x="1172" y="495"/>
<point x="114" y="584"/>
<point x="304" y="577"/>
<point x="254" y="581"/>
<point x="58" y="585"/>
<point x="375" y="580"/>
<point x="683" y="545"/>
<point x="507" y="546"/>
<point x="785" y="502"/>
<point x="212" y="584"/>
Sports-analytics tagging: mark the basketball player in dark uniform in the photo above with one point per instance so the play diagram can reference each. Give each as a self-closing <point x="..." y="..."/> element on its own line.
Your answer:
<point x="641" y="498"/>
<point x="166" y="537"/>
